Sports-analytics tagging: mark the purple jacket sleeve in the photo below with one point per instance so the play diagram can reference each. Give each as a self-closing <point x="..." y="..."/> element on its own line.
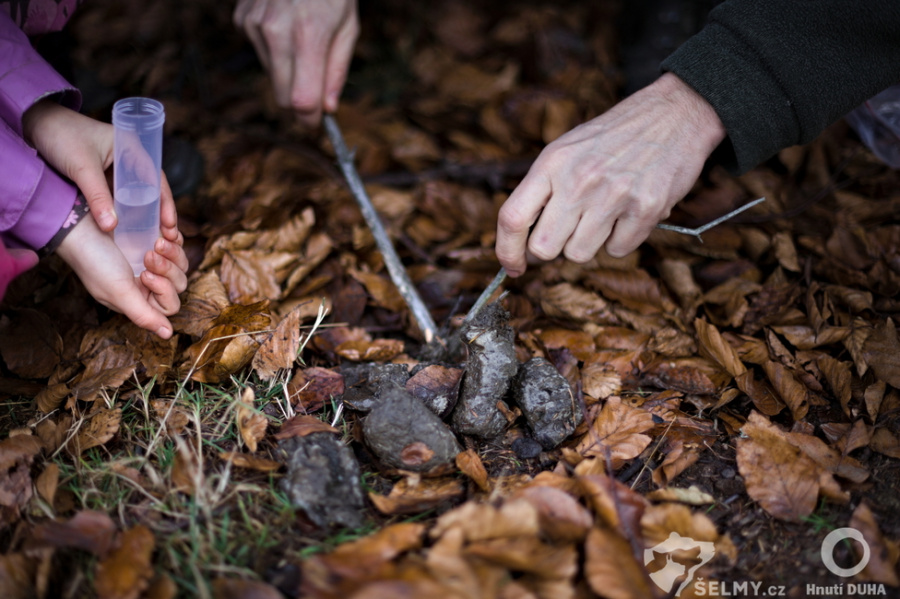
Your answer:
<point x="34" y="199"/>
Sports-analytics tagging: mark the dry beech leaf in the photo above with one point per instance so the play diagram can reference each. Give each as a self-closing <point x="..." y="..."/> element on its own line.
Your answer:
<point x="125" y="573"/>
<point x="254" y="275"/>
<point x="205" y="299"/>
<point x="529" y="555"/>
<point x="302" y="425"/>
<point x="693" y="495"/>
<point x="634" y="288"/>
<point x="101" y="427"/>
<point x="693" y="375"/>
<point x="251" y="424"/>
<point x="469" y="462"/>
<point x="717" y="349"/>
<point x="885" y="442"/>
<point x="424" y="495"/>
<point x="568" y="301"/>
<point x="51" y="397"/>
<point x="379" y="350"/>
<point x="280" y="350"/>
<point x="88" y="530"/>
<point x="760" y="393"/>
<point x="47" y="483"/>
<point x="382" y="290"/>
<point x="480" y="521"/>
<point x="17" y="572"/>
<point x="884" y="553"/>
<point x="561" y="517"/>
<point x="186" y="472"/>
<point x="839" y="377"/>
<point x="778" y="475"/>
<point x="363" y="558"/>
<point x="238" y="588"/>
<point x="611" y="569"/>
<point x="313" y="387"/>
<point x="618" y="430"/>
<point x="243" y="460"/>
<point x="172" y="415"/>
<point x="580" y="343"/>
<point x="90" y="389"/>
<point x="880" y="352"/>
<point x="599" y="380"/>
<point x="789" y="389"/>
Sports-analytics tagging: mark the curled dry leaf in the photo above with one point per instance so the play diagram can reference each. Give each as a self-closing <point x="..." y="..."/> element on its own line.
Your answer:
<point x="243" y="460"/>
<point x="88" y="530"/>
<point x="693" y="495"/>
<point x="101" y="427"/>
<point x="280" y="349"/>
<point x="599" y="380"/>
<point x="357" y="561"/>
<point x="51" y="397"/>
<point x="302" y="425"/>
<point x="561" y="517"/>
<point x="379" y="350"/>
<point x="789" y="389"/>
<point x="884" y="553"/>
<point x="251" y="424"/>
<point x="617" y="431"/>
<point x="17" y="571"/>
<point x="205" y="299"/>
<point x="126" y="572"/>
<point x="238" y="588"/>
<point x="424" y="495"/>
<point x="90" y="389"/>
<point x="383" y="292"/>
<point x="716" y="348"/>
<point x="880" y="352"/>
<point x="313" y="387"/>
<point x="469" y="462"/>
<point x="47" y="482"/>
<point x="480" y="521"/>
<point x="568" y="301"/>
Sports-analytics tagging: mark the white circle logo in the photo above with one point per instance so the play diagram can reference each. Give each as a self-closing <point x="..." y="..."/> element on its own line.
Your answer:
<point x="835" y="537"/>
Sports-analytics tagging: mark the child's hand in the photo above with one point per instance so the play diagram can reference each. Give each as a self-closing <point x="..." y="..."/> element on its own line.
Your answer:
<point x="109" y="278"/>
<point x="81" y="148"/>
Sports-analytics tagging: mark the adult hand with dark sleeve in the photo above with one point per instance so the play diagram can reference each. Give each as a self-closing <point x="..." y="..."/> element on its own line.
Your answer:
<point x="306" y="46"/>
<point x="611" y="180"/>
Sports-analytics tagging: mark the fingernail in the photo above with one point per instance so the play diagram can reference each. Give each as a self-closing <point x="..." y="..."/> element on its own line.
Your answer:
<point x="164" y="332"/>
<point x="332" y="102"/>
<point x="108" y="219"/>
<point x="149" y="275"/>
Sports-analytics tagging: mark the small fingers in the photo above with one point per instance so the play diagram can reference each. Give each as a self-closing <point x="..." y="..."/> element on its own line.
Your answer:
<point x="168" y="260"/>
<point x="339" y="62"/>
<point x="163" y="296"/>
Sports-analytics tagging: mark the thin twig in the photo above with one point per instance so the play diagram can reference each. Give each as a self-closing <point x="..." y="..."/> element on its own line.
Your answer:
<point x="396" y="269"/>
<point x="699" y="230"/>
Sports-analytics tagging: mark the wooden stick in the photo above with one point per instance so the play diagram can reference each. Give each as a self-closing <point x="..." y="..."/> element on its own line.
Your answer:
<point x="396" y="269"/>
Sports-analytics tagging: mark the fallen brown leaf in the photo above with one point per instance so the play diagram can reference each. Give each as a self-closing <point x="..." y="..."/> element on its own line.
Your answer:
<point x="237" y="588"/>
<point x="379" y="350"/>
<point x="421" y="496"/>
<point x="280" y="349"/>
<point x="126" y="572"/>
<point x="88" y="530"/>
<point x="250" y="423"/>
<point x="780" y="477"/>
<point x="611" y="569"/>
<point x="617" y="432"/>
<point x="302" y="425"/>
<point x="100" y="428"/>
<point x="469" y="462"/>
<point x="243" y="460"/>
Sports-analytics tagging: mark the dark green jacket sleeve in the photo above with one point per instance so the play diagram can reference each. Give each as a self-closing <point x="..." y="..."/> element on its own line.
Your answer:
<point x="778" y="72"/>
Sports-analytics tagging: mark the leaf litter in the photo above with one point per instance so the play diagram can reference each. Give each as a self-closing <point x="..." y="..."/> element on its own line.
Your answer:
<point x="298" y="438"/>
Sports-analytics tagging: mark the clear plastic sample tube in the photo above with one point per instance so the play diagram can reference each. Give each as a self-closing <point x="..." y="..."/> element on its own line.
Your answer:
<point x="137" y="161"/>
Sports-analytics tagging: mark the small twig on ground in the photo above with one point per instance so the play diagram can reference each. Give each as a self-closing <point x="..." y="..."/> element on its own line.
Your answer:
<point x="501" y="276"/>
<point x="396" y="269"/>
